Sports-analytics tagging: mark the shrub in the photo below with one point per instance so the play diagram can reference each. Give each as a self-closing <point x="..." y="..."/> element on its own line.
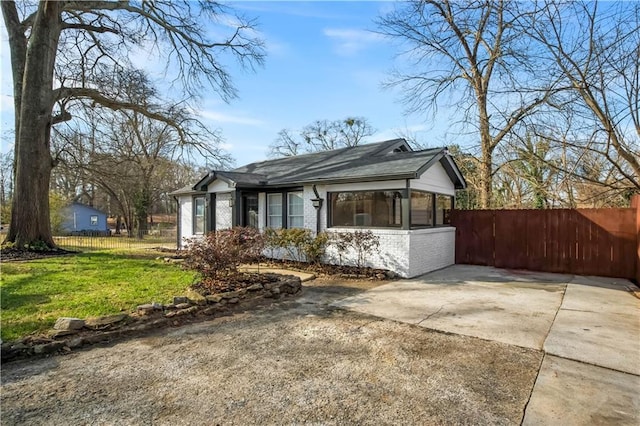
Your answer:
<point x="362" y="242"/>
<point x="218" y="254"/>
<point x="299" y="244"/>
<point x="271" y="240"/>
<point x="315" y="247"/>
<point x="294" y="241"/>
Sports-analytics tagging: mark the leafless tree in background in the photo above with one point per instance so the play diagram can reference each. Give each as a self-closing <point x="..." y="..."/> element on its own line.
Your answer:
<point x="474" y="54"/>
<point x="322" y="135"/>
<point x="593" y="49"/>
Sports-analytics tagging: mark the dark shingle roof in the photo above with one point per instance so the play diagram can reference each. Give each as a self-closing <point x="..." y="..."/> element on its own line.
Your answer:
<point x="378" y="161"/>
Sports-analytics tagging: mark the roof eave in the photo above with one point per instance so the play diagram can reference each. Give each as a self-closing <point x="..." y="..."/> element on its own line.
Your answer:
<point x="331" y="181"/>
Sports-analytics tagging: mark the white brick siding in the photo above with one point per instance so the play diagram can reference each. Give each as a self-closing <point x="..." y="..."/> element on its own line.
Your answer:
<point x="431" y="249"/>
<point x="407" y="253"/>
<point x="393" y="253"/>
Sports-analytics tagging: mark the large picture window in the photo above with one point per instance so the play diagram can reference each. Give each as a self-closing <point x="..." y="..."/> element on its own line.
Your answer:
<point x="274" y="210"/>
<point x="381" y="209"/>
<point x="198" y="215"/>
<point x="421" y="208"/>
<point x="428" y="209"/>
<point x="295" y="210"/>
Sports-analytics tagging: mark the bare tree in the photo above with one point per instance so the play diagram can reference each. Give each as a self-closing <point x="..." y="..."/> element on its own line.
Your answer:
<point x="127" y="155"/>
<point x="472" y="53"/>
<point x="593" y="49"/>
<point x="321" y="135"/>
<point x="68" y="53"/>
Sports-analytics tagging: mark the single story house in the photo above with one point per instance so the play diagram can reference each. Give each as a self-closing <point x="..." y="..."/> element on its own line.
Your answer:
<point x="80" y="218"/>
<point x="403" y="196"/>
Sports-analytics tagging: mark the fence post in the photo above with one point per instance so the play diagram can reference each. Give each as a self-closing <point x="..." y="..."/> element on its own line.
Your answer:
<point x="635" y="203"/>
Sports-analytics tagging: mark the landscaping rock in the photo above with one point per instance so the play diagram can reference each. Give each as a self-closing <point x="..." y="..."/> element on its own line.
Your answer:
<point x="169" y="307"/>
<point x="75" y="343"/>
<point x="234" y="301"/>
<point x="267" y="294"/>
<point x="180" y="299"/>
<point x="275" y="290"/>
<point x="212" y="310"/>
<point x="54" y="334"/>
<point x="187" y="311"/>
<point x="183" y="305"/>
<point x="255" y="287"/>
<point x="68" y="324"/>
<point x="145" y="309"/>
<point x="157" y="306"/>
<point x="47" y="348"/>
<point x="105" y="321"/>
<point x="233" y="294"/>
<point x="213" y="298"/>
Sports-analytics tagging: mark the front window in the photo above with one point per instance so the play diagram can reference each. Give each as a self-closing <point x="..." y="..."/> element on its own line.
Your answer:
<point x="295" y="210"/>
<point x="380" y="209"/>
<point x="421" y="208"/>
<point x="198" y="215"/>
<point x="94" y="220"/>
<point x="274" y="210"/>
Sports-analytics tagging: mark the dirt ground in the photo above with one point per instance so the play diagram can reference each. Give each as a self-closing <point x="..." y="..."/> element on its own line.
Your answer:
<point x="296" y="361"/>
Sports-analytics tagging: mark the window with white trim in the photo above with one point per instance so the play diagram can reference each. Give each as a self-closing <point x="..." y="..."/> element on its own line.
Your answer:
<point x="94" y="220"/>
<point x="198" y="215"/>
<point x="274" y="210"/>
<point x="295" y="210"/>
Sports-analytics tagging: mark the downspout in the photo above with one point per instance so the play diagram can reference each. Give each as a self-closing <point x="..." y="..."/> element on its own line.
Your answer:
<point x="178" y="224"/>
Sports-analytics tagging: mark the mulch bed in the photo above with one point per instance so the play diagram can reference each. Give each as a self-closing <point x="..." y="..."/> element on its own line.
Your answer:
<point x="16" y="254"/>
<point x="343" y="271"/>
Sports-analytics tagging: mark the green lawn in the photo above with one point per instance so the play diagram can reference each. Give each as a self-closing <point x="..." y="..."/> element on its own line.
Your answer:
<point x="35" y="293"/>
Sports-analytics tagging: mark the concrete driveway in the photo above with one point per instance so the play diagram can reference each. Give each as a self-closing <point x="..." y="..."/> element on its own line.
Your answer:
<point x="587" y="327"/>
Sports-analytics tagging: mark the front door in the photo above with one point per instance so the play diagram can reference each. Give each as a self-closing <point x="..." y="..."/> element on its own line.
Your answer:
<point x="250" y="210"/>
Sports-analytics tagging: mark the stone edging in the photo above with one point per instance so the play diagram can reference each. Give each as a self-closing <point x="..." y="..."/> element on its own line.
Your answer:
<point x="74" y="333"/>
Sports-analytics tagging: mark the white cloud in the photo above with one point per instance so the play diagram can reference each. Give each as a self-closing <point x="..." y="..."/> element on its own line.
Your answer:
<point x="220" y="117"/>
<point x="351" y="41"/>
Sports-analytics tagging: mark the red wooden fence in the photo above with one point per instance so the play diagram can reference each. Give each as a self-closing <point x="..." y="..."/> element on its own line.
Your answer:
<point x="601" y="242"/>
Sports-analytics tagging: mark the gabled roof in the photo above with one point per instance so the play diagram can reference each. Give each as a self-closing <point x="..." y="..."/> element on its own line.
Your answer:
<point x="86" y="207"/>
<point x="392" y="159"/>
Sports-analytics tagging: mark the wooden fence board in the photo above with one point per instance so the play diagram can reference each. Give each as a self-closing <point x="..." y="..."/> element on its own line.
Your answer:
<point x="583" y="241"/>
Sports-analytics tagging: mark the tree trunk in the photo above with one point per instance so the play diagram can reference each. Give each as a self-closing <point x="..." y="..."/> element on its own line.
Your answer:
<point x="142" y="205"/>
<point x="30" y="225"/>
<point x="486" y="142"/>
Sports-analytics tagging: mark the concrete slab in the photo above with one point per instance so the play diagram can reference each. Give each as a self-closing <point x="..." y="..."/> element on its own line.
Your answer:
<point x="497" y="305"/>
<point x="598" y="323"/>
<point x="572" y="393"/>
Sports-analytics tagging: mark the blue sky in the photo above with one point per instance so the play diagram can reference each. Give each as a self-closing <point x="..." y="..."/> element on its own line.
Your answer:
<point x="323" y="62"/>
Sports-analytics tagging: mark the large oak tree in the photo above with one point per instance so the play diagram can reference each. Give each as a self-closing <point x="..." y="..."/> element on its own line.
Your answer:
<point x="65" y="54"/>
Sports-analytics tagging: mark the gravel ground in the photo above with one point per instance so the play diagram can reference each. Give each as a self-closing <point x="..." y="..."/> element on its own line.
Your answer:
<point x="297" y="361"/>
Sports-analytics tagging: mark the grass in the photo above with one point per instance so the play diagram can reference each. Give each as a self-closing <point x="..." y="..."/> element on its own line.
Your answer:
<point x="35" y="293"/>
